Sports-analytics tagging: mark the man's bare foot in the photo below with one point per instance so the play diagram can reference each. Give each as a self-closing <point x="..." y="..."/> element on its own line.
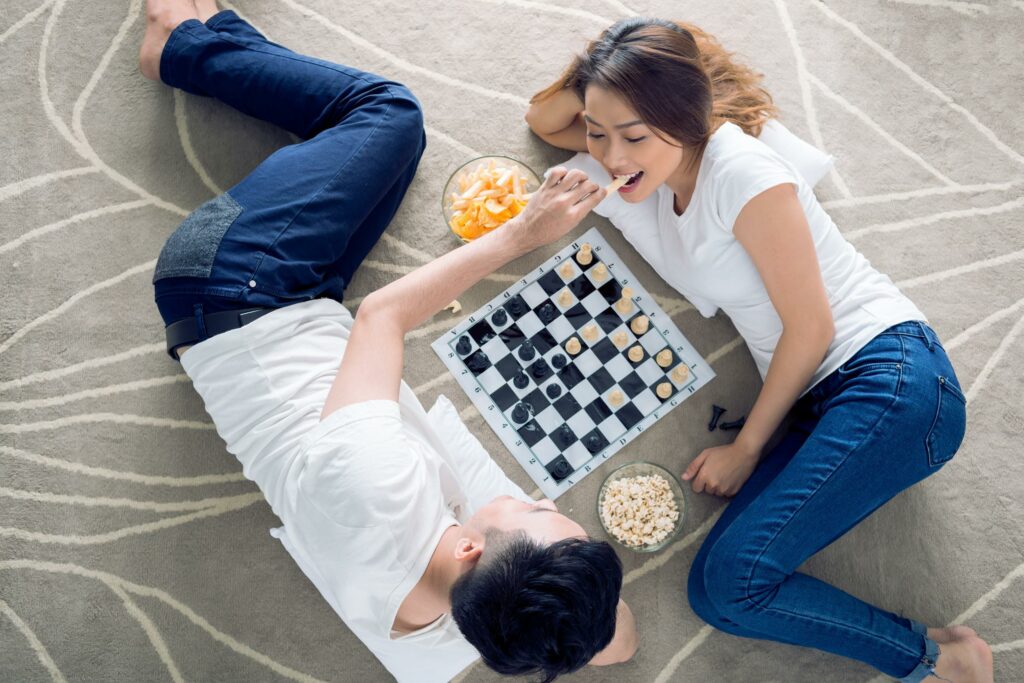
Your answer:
<point x="162" y="17"/>
<point x="965" y="658"/>
<point x="205" y="9"/>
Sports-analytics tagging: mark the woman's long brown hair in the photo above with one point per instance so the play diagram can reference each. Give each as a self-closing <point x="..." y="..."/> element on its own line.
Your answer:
<point x="678" y="79"/>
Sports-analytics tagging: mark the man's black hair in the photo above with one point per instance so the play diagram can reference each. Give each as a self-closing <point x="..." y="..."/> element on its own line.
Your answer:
<point x="539" y="609"/>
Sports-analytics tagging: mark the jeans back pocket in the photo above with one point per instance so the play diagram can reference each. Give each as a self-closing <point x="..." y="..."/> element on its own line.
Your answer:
<point x="950" y="423"/>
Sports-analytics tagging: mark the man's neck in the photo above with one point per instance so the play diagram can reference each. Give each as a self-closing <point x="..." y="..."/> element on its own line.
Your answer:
<point x="429" y="598"/>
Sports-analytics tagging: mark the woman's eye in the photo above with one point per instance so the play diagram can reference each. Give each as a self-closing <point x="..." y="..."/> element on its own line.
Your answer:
<point x="639" y="139"/>
<point x="594" y="136"/>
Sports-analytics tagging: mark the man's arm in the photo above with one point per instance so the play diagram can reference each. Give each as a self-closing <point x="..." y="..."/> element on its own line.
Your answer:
<point x="371" y="367"/>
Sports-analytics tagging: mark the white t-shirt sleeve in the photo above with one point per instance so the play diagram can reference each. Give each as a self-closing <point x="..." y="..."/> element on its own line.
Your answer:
<point x="484" y="480"/>
<point x="361" y="469"/>
<point x="742" y="176"/>
<point x="595" y="171"/>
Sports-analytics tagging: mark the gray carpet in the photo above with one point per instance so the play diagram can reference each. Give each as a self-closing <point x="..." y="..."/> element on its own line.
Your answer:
<point x="131" y="549"/>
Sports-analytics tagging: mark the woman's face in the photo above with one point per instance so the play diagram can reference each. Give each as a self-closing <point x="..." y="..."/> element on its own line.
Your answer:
<point x="624" y="145"/>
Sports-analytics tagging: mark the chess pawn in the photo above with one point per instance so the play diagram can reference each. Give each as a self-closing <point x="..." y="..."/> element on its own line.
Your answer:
<point x="625" y="304"/>
<point x="585" y="256"/>
<point x="680" y="373"/>
<point x="599" y="272"/>
<point x="567" y="271"/>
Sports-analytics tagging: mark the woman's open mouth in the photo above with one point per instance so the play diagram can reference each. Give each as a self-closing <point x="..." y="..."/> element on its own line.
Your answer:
<point x="631" y="184"/>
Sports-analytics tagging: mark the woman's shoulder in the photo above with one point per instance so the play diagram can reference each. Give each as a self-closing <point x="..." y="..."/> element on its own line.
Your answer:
<point x="730" y="142"/>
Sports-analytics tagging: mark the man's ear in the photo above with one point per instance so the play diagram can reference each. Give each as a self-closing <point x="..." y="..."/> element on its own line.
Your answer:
<point x="469" y="547"/>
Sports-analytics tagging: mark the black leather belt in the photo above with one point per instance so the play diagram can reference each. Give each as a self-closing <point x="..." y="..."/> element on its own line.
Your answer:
<point x="185" y="332"/>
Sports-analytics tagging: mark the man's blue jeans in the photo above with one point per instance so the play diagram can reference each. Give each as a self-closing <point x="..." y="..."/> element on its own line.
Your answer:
<point x="298" y="225"/>
<point x="889" y="417"/>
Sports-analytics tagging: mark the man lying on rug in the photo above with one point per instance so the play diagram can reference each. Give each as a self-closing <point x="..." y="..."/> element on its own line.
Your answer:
<point x="398" y="516"/>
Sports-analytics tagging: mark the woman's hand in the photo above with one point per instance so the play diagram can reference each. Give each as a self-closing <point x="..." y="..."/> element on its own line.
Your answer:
<point x="557" y="207"/>
<point x="721" y="470"/>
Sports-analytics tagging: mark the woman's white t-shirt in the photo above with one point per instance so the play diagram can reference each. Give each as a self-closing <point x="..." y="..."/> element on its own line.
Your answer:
<point x="698" y="255"/>
<point x="365" y="494"/>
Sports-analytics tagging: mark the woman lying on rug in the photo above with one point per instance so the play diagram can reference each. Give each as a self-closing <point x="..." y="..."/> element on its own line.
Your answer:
<point x="731" y="224"/>
<point x="398" y="516"/>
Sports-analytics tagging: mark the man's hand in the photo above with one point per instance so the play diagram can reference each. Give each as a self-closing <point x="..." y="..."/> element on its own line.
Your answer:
<point x="557" y="207"/>
<point x="722" y="470"/>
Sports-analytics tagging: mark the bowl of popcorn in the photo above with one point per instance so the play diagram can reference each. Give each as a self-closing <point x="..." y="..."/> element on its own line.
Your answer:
<point x="484" y="193"/>
<point x="641" y="507"/>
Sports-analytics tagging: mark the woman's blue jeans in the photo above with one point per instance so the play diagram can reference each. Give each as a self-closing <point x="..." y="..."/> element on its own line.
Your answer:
<point x="300" y="223"/>
<point x="888" y="418"/>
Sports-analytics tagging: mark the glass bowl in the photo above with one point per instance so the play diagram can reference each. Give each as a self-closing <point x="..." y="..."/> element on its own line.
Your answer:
<point x="644" y="469"/>
<point x="452" y="186"/>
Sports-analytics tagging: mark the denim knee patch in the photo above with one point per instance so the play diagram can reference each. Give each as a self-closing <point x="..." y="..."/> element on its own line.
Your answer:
<point x="190" y="250"/>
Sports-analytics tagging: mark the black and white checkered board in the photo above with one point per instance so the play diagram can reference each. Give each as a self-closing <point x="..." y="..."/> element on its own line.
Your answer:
<point x="553" y="409"/>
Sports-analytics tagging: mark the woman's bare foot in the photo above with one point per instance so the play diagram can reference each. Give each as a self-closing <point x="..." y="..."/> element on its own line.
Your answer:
<point x="964" y="658"/>
<point x="162" y="17"/>
<point x="950" y="633"/>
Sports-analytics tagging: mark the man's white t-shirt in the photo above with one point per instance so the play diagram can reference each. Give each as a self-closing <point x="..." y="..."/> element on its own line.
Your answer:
<point x="365" y="494"/>
<point x="698" y="255"/>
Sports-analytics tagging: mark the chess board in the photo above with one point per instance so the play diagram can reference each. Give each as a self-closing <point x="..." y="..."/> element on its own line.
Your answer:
<point x="560" y="413"/>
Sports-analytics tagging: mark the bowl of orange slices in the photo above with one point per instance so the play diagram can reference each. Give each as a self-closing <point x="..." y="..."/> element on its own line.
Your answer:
<point x="484" y="193"/>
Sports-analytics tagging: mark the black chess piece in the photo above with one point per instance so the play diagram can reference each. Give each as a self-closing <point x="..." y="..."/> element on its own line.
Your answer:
<point x="547" y="312"/>
<point x="593" y="443"/>
<point x="500" y="317"/>
<point x="526" y="351"/>
<point x="540" y="370"/>
<point x="463" y="346"/>
<point x="735" y="424"/>
<point x="559" y="468"/>
<point x="559" y="361"/>
<point x="516" y="306"/>
<point x="553" y="391"/>
<point x="563" y="436"/>
<point x="521" y="413"/>
<point x="716" y="414"/>
<point x="520" y="380"/>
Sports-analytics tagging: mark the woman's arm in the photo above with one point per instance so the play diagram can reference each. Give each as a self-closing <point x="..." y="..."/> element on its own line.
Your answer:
<point x="773" y="229"/>
<point x="558" y="121"/>
<point x="371" y="367"/>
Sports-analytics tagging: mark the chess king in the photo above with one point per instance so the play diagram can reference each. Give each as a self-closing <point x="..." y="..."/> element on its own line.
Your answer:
<point x="397" y="515"/>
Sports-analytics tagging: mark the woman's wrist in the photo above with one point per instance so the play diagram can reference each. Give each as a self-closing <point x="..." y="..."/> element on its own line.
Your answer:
<point x="749" y="445"/>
